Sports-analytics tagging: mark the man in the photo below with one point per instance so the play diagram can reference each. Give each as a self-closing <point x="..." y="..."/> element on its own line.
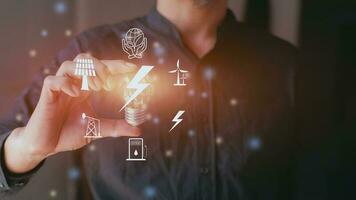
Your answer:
<point x="236" y="137"/>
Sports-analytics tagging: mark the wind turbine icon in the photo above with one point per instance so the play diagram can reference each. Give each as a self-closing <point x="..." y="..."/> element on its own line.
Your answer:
<point x="181" y="75"/>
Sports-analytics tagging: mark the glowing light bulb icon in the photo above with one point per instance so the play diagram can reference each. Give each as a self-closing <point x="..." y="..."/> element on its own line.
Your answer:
<point x="137" y="95"/>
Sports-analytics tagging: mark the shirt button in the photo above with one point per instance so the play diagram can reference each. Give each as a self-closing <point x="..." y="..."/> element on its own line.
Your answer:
<point x="204" y="170"/>
<point x="19" y="184"/>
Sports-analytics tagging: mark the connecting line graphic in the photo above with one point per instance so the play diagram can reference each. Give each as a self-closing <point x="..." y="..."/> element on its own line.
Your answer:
<point x="135" y="84"/>
<point x="177" y="119"/>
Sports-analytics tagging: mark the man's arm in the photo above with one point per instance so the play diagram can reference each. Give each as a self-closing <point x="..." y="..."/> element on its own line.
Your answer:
<point x="19" y="116"/>
<point x="50" y="114"/>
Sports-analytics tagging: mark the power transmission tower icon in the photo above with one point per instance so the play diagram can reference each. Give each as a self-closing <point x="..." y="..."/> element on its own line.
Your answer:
<point x="84" y="68"/>
<point x="93" y="127"/>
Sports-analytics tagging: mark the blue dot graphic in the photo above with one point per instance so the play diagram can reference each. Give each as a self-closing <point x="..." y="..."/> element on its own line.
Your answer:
<point x="149" y="192"/>
<point x="254" y="143"/>
<point x="158" y="49"/>
<point x="73" y="173"/>
<point x="60" y="7"/>
<point x="156" y="120"/>
<point x="209" y="73"/>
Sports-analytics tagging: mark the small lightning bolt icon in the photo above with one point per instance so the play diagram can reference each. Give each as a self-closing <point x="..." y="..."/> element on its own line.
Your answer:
<point x="135" y="83"/>
<point x="176" y="119"/>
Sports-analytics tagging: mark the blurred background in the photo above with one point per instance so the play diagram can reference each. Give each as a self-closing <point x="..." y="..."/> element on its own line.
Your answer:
<point x="323" y="31"/>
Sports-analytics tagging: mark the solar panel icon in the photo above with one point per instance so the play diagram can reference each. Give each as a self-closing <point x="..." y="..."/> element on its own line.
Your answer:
<point x="84" y="68"/>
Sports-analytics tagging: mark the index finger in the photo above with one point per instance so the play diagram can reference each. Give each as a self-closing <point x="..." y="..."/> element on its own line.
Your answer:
<point x="119" y="66"/>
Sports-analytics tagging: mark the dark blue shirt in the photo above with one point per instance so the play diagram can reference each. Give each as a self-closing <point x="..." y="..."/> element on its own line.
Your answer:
<point x="235" y="140"/>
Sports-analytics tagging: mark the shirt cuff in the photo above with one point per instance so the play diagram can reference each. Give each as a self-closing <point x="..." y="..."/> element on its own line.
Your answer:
<point x="9" y="180"/>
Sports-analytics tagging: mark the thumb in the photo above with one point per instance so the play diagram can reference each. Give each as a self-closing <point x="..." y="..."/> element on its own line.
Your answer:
<point x="118" y="128"/>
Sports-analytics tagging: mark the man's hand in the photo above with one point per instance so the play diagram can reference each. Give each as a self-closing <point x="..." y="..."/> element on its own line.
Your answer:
<point x="55" y="124"/>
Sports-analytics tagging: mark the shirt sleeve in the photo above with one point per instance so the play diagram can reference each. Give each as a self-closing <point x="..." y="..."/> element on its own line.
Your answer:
<point x="21" y="113"/>
<point x="9" y="180"/>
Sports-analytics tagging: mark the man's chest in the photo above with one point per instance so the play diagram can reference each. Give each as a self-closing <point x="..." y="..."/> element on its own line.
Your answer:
<point x="236" y="115"/>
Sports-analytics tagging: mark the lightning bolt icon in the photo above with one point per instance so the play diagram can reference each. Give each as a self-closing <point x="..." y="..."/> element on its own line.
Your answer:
<point x="176" y="119"/>
<point x="135" y="83"/>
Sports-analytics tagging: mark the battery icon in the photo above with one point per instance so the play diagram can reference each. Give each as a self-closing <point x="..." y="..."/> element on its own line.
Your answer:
<point x="136" y="149"/>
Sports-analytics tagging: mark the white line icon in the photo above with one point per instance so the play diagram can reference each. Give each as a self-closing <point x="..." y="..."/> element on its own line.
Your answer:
<point x="135" y="84"/>
<point x="84" y="68"/>
<point x="181" y="75"/>
<point x="136" y="150"/>
<point x="134" y="43"/>
<point x="93" y="127"/>
<point x="177" y="119"/>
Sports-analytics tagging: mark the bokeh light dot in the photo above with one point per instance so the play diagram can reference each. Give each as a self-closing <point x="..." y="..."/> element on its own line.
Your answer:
<point x="92" y="147"/>
<point x="53" y="193"/>
<point x="204" y="95"/>
<point x="19" y="117"/>
<point x="148" y="116"/>
<point x="169" y="153"/>
<point x="60" y="7"/>
<point x="191" y="92"/>
<point x="233" y="102"/>
<point x="219" y="140"/>
<point x="73" y="173"/>
<point x="46" y="71"/>
<point x="191" y="132"/>
<point x="68" y="33"/>
<point x="156" y="44"/>
<point x="44" y="33"/>
<point x="160" y="60"/>
<point x="155" y="120"/>
<point x="149" y="192"/>
<point x="209" y="73"/>
<point x="158" y="49"/>
<point x="32" y="53"/>
<point x="254" y="143"/>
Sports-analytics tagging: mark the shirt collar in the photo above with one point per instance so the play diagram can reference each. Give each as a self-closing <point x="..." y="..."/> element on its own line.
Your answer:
<point x="163" y="25"/>
<point x="158" y="22"/>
